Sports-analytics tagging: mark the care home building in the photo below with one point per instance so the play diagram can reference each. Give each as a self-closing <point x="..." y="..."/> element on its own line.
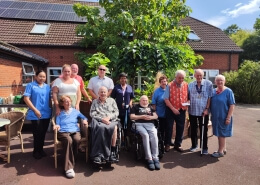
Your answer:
<point x="38" y="34"/>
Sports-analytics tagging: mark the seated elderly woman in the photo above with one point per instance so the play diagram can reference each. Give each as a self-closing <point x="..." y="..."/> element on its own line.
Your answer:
<point x="144" y="115"/>
<point x="104" y="113"/>
<point x="69" y="133"/>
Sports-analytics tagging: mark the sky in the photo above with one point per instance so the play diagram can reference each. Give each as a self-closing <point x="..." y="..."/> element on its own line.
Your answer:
<point x="223" y="13"/>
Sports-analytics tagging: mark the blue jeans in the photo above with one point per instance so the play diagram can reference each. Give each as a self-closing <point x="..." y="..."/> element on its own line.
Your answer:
<point x="180" y="122"/>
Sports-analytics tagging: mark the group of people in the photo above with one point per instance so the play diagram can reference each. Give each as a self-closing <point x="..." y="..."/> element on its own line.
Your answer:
<point x="112" y="105"/>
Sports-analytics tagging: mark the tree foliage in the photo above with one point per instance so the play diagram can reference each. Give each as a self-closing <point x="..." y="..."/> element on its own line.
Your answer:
<point x="139" y="35"/>
<point x="257" y="24"/>
<point x="245" y="82"/>
<point x="233" y="28"/>
<point x="240" y="36"/>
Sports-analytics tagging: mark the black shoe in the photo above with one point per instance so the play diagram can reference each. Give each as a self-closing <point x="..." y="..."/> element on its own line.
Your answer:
<point x="179" y="149"/>
<point x="37" y="155"/>
<point x="97" y="160"/>
<point x="43" y="154"/>
<point x="113" y="158"/>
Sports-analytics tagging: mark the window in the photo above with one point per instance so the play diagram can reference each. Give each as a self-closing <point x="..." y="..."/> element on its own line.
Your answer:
<point x="53" y="73"/>
<point x="209" y="74"/>
<point x="193" y="36"/>
<point x="28" y="69"/>
<point x="40" y="28"/>
<point x="139" y="82"/>
<point x="28" y="73"/>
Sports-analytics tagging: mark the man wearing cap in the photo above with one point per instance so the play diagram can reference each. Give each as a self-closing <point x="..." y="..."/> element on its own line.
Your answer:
<point x="98" y="81"/>
<point x="123" y="94"/>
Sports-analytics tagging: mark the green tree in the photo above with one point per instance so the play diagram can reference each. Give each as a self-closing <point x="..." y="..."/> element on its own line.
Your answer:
<point x="240" y="36"/>
<point x="233" y="28"/>
<point x="138" y="35"/>
<point x="257" y="24"/>
<point x="245" y="82"/>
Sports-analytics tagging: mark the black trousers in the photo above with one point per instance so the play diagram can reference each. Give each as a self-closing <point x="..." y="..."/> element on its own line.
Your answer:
<point x="194" y="121"/>
<point x="39" y="129"/>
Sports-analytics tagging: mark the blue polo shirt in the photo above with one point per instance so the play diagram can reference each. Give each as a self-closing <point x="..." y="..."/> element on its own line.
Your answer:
<point x="119" y="96"/>
<point x="40" y="97"/>
<point x="68" y="121"/>
<point x="158" y="100"/>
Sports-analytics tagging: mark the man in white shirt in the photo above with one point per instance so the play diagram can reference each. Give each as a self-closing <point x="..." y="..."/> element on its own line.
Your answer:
<point x="98" y="81"/>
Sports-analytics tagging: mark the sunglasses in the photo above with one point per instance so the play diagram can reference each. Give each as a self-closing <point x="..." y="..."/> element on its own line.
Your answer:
<point x="102" y="69"/>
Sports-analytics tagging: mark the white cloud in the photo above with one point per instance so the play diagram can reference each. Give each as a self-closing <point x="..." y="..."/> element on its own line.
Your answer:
<point x="217" y="20"/>
<point x="225" y="11"/>
<point x="249" y="8"/>
<point x="238" y="4"/>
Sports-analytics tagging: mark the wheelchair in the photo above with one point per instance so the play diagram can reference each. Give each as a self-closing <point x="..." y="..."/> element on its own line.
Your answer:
<point x="118" y="145"/>
<point x="134" y="141"/>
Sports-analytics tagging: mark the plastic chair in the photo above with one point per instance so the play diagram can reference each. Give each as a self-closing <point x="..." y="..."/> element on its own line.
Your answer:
<point x="12" y="130"/>
<point x="83" y="141"/>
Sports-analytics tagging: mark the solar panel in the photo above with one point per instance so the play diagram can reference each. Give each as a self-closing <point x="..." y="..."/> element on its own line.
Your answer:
<point x="58" y="7"/>
<point x="54" y="16"/>
<point x="1" y="11"/>
<point x="18" y="5"/>
<point x="10" y="13"/>
<point x="45" y="6"/>
<point x="5" y="4"/>
<point x="31" y="6"/>
<point x="27" y="14"/>
<point x="40" y="15"/>
<point x="68" y="8"/>
<point x="38" y="11"/>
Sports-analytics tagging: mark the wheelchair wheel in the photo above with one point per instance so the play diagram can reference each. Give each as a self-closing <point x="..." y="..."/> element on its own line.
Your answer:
<point x="139" y="153"/>
<point x="127" y="143"/>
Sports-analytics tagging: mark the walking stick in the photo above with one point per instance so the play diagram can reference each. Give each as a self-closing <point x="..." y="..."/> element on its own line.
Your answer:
<point x="202" y="135"/>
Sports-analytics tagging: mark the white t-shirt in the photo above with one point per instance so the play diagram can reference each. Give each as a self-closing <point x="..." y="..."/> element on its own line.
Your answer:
<point x="66" y="89"/>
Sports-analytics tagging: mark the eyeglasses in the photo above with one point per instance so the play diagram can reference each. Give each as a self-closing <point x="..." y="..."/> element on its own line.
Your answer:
<point x="102" y="69"/>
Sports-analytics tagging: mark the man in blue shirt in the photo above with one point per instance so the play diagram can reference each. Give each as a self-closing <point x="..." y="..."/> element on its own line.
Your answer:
<point x="200" y="92"/>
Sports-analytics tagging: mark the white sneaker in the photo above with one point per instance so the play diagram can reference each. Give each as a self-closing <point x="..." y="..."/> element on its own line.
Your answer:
<point x="70" y="173"/>
<point x="193" y="149"/>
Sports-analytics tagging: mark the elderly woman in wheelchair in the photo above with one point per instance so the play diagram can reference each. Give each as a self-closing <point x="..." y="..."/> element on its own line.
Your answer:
<point x="104" y="113"/>
<point x="144" y="117"/>
<point x="69" y="133"/>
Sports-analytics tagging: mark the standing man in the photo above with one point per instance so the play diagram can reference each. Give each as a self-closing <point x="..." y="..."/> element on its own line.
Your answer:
<point x="175" y="95"/>
<point x="123" y="94"/>
<point x="98" y="81"/>
<point x="200" y="93"/>
<point x="74" y="74"/>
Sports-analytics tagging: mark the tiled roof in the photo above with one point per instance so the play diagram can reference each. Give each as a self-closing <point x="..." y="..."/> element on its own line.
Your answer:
<point x="7" y="48"/>
<point x="17" y="32"/>
<point x="212" y="38"/>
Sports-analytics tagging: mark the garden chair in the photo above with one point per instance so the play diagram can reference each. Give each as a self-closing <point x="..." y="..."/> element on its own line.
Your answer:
<point x="12" y="130"/>
<point x="83" y="141"/>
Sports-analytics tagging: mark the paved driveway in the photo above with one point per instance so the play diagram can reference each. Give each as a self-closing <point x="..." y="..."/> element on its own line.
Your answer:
<point x="241" y="165"/>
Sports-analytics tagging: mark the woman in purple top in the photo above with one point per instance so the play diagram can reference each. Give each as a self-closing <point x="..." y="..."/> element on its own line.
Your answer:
<point x="222" y="106"/>
<point x="69" y="133"/>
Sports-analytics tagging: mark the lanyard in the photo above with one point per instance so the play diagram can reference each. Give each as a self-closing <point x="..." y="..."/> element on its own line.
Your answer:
<point x="199" y="90"/>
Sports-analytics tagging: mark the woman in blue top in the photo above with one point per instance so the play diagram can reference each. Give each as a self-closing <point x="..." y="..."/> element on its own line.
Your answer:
<point x="69" y="133"/>
<point x="160" y="106"/>
<point x="222" y="106"/>
<point x="37" y="97"/>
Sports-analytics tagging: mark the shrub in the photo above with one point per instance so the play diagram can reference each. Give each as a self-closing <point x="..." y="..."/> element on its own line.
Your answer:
<point x="245" y="82"/>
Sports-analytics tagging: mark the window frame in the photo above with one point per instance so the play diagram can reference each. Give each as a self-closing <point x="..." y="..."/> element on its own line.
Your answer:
<point x="49" y="73"/>
<point x="42" y="33"/>
<point x="25" y="74"/>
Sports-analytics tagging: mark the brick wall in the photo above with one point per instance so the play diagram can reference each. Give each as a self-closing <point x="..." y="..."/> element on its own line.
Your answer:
<point x="219" y="61"/>
<point x="58" y="56"/>
<point x="10" y="77"/>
